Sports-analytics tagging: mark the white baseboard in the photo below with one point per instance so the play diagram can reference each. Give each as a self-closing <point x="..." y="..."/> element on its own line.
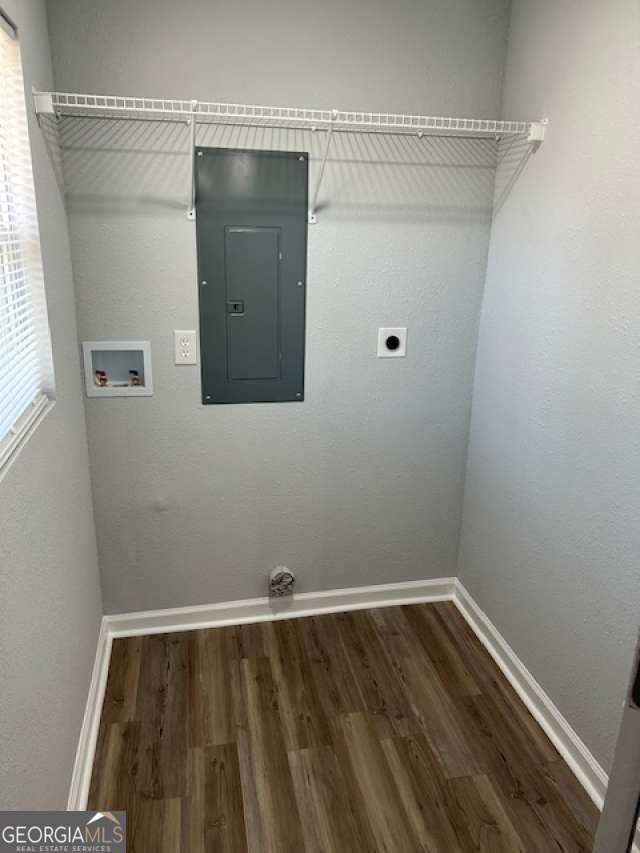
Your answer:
<point x="572" y="749"/>
<point x="583" y="764"/>
<point x="85" y="753"/>
<point x="267" y="609"/>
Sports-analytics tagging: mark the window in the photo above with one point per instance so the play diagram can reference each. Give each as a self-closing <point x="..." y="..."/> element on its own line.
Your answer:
<point x="26" y="368"/>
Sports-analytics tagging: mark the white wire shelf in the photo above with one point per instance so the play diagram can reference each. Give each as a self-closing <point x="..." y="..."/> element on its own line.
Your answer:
<point x="192" y="113"/>
<point x="211" y="112"/>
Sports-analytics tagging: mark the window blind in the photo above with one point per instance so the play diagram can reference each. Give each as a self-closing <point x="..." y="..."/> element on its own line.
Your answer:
<point x="26" y="370"/>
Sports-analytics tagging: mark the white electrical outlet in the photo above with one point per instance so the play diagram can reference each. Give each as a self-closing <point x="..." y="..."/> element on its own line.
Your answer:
<point x="186" y="347"/>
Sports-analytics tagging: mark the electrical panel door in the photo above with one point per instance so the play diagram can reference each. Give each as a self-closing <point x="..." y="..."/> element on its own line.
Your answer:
<point x="251" y="224"/>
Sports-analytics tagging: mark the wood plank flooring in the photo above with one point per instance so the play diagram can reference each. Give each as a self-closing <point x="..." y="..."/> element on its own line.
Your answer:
<point x="378" y="730"/>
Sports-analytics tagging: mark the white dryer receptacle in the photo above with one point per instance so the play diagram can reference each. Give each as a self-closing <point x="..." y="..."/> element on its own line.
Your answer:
<point x="392" y="342"/>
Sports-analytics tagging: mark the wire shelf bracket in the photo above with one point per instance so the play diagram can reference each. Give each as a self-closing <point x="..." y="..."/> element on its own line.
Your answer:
<point x="327" y="145"/>
<point x="192" y="113"/>
<point x="191" y="212"/>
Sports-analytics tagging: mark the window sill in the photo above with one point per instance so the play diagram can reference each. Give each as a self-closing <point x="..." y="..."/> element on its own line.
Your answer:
<point x="19" y="435"/>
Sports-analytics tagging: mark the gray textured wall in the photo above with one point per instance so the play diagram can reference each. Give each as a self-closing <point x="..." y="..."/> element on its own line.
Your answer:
<point x="363" y="482"/>
<point x="49" y="590"/>
<point x="551" y="538"/>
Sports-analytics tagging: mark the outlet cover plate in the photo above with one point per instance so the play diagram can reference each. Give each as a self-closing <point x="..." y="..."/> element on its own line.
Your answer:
<point x="185" y="346"/>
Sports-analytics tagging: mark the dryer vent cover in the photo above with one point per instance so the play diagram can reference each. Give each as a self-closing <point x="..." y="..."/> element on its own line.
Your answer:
<point x="281" y="581"/>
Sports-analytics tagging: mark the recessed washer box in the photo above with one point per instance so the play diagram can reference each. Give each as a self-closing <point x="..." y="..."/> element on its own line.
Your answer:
<point x="392" y="342"/>
<point x="124" y="365"/>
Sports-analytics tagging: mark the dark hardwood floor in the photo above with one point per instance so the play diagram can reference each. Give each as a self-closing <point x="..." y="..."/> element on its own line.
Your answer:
<point x="377" y="730"/>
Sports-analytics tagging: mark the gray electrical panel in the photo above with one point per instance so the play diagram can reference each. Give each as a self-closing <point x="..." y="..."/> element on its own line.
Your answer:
<point x="251" y="225"/>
